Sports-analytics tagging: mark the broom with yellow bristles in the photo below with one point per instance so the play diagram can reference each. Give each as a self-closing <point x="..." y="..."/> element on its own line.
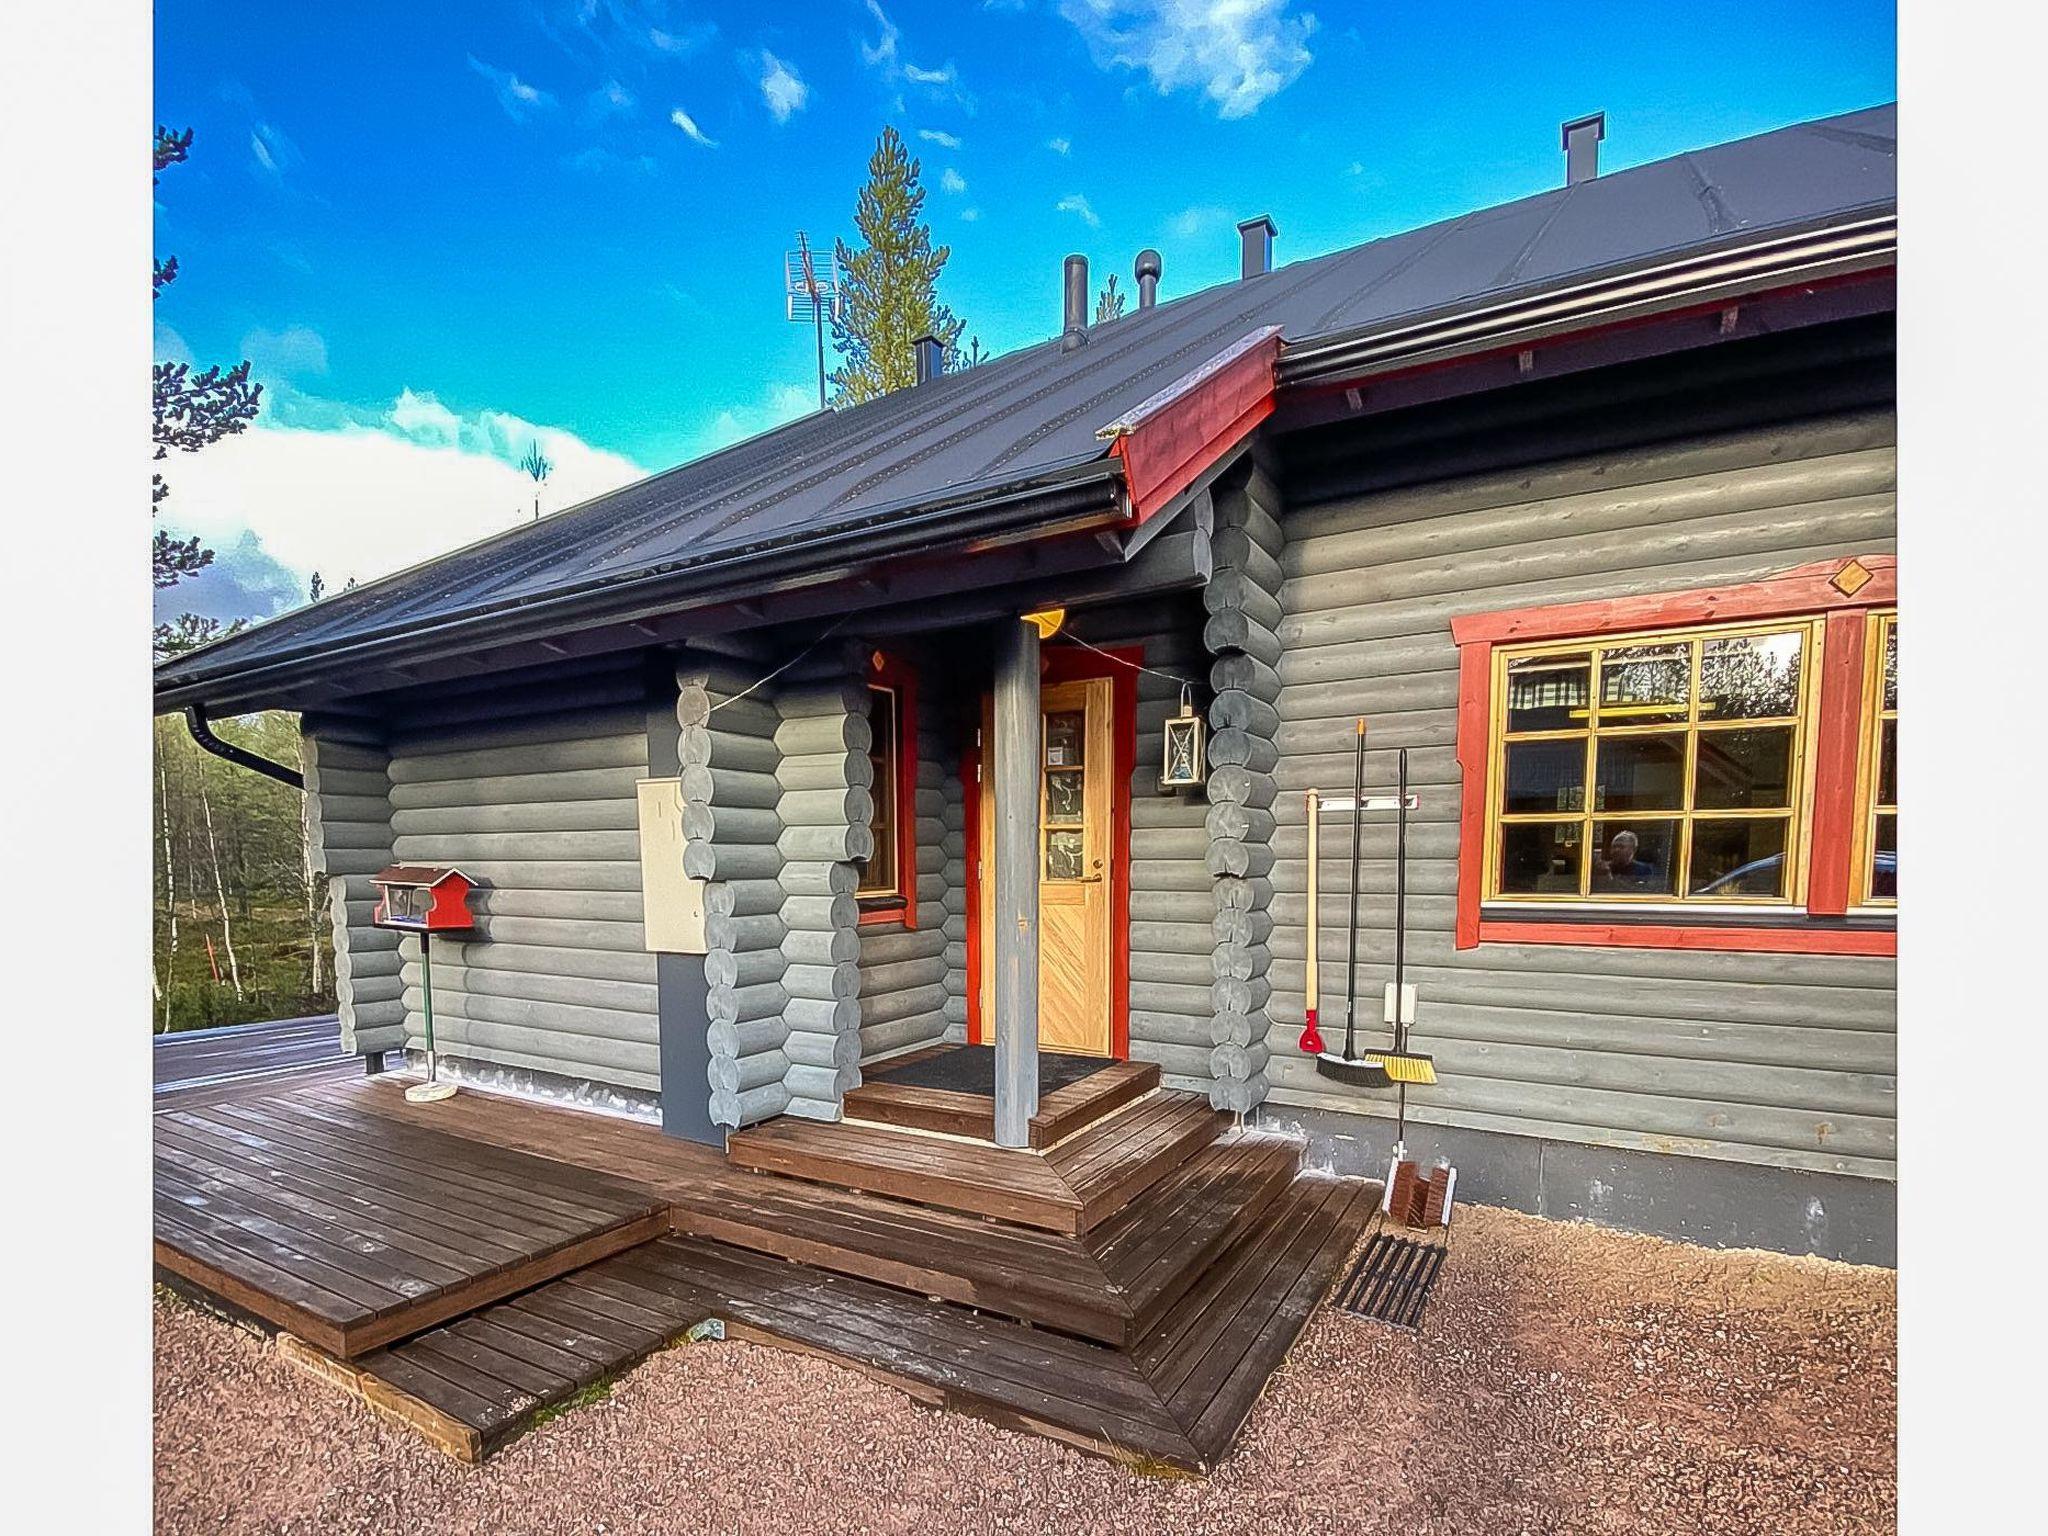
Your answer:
<point x="1401" y="1064"/>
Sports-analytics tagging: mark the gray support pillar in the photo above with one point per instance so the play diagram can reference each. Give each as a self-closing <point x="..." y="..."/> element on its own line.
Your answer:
<point x="1015" y="760"/>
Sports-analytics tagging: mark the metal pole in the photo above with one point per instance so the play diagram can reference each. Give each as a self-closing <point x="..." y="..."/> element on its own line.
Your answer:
<point x="1401" y="932"/>
<point x="427" y="995"/>
<point x="818" y="316"/>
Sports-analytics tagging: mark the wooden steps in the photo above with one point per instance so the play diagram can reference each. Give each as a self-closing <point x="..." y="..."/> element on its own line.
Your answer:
<point x="1178" y="1397"/>
<point x="350" y="1231"/>
<point x="1108" y="1284"/>
<point x="1060" y="1112"/>
<point x="1067" y="1189"/>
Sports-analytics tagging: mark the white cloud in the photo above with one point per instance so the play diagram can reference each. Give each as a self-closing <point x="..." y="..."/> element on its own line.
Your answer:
<point x="939" y="137"/>
<point x="598" y="161"/>
<point x="1356" y="168"/>
<point x="610" y="98"/>
<point x="952" y="181"/>
<point x="688" y="41"/>
<point x="778" y="404"/>
<point x="969" y="215"/>
<point x="370" y="491"/>
<point x="781" y="87"/>
<point x="1190" y="222"/>
<point x="1075" y="203"/>
<point x="519" y="99"/>
<point x="1236" y="52"/>
<point x="945" y="75"/>
<point x="294" y="352"/>
<point x="688" y="124"/>
<point x="274" y="151"/>
<point x="1060" y="146"/>
<point x="883" y="51"/>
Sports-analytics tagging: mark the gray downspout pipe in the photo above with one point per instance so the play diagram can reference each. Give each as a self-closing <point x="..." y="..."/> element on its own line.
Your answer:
<point x="242" y="757"/>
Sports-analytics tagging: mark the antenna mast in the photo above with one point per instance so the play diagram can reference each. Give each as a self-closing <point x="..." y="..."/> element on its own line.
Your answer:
<point x="811" y="290"/>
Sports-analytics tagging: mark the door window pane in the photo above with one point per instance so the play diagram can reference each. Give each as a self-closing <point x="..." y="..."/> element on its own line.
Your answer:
<point x="1063" y="796"/>
<point x="1635" y="858"/>
<point x="1743" y="770"/>
<point x="1738" y="858"/>
<point x="1751" y="677"/>
<point x="1888" y="763"/>
<point x="1063" y="856"/>
<point x="1645" y="684"/>
<point x="1545" y="776"/>
<point x="1064" y="735"/>
<point x="878" y="875"/>
<point x="1891" y="666"/>
<point x="1640" y="773"/>
<point x="1540" y="858"/>
<point x="1548" y="693"/>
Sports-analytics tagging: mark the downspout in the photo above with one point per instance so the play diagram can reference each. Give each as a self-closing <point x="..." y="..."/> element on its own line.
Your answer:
<point x="195" y="719"/>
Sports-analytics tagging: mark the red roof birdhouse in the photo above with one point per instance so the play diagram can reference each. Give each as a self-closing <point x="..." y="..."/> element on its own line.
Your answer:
<point x="422" y="898"/>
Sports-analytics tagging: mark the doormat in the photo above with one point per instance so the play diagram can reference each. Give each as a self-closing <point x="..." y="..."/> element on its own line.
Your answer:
<point x="1391" y="1280"/>
<point x="972" y="1069"/>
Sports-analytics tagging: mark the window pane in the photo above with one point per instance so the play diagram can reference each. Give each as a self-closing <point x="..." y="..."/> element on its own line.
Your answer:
<point x="1750" y="677"/>
<point x="1738" y="858"/>
<point x="1548" y="693"/>
<point x="1063" y="856"/>
<point x="1884" y="859"/>
<point x="1743" y="770"/>
<point x="878" y="873"/>
<point x="1635" y="858"/>
<point x="1891" y="665"/>
<point x="1063" y="737"/>
<point x="1540" y="858"/>
<point x="1640" y="773"/>
<point x="1545" y="776"/>
<point x="1063" y="796"/>
<point x="1888" y="763"/>
<point x="1645" y="684"/>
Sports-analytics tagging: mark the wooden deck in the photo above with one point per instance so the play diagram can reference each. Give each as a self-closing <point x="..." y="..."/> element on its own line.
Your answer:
<point x="1060" y="1112"/>
<point x="1067" y="1189"/>
<point x="1144" y="1333"/>
<point x="1179" y="1397"/>
<point x="245" y="1061"/>
<point x="350" y="1231"/>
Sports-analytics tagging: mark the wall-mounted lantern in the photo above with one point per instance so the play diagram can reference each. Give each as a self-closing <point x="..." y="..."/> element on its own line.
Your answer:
<point x="1185" y="764"/>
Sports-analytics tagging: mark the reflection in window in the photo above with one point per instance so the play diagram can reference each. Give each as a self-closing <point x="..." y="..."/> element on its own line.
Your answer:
<point x="878" y="873"/>
<point x="1881" y="864"/>
<point x="1653" y="768"/>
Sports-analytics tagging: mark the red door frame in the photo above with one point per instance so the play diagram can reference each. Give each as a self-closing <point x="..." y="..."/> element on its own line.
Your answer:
<point x="1068" y="664"/>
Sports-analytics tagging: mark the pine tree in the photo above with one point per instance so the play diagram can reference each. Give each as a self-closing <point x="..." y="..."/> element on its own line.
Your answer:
<point x="191" y="409"/>
<point x="889" y="286"/>
<point x="1109" y="304"/>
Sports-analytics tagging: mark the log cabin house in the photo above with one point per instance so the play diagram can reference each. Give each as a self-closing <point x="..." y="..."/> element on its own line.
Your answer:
<point x="781" y="769"/>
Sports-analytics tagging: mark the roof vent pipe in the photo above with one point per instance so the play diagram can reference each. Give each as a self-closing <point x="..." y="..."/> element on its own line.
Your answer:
<point x="1146" y="271"/>
<point x="931" y="357"/>
<point x="1255" y="243"/>
<point x="1582" y="136"/>
<point x="1074" y="325"/>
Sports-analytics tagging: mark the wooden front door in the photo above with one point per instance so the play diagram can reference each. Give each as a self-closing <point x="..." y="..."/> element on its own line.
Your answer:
<point x="1076" y="872"/>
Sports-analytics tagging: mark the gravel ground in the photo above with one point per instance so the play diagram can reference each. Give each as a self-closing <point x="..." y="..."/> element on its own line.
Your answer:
<point x="1566" y="1379"/>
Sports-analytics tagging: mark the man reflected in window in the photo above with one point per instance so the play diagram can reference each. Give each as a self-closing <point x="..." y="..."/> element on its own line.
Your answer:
<point x="1621" y="869"/>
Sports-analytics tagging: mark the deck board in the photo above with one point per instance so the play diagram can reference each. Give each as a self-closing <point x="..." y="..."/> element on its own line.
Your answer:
<point x="350" y="1230"/>
<point x="1060" y="1112"/>
<point x="1179" y="1398"/>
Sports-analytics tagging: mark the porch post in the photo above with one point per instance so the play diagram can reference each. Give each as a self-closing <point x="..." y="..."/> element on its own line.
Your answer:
<point x="1013" y="760"/>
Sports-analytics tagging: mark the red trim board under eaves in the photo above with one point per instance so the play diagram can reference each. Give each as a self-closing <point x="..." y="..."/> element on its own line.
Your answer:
<point x="1167" y="442"/>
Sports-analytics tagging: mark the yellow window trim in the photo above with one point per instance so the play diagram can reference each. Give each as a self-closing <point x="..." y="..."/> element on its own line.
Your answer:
<point x="1797" y="816"/>
<point x="1879" y="624"/>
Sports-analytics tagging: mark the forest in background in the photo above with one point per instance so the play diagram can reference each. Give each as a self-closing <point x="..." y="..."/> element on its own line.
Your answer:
<point x="240" y="925"/>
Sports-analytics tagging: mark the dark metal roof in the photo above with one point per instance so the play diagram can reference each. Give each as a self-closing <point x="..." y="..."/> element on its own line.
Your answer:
<point x="1030" y="418"/>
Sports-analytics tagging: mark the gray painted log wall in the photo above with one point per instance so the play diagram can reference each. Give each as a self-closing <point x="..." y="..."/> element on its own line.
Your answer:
<point x="1786" y="1060"/>
<point x="530" y="790"/>
<point x="348" y="788"/>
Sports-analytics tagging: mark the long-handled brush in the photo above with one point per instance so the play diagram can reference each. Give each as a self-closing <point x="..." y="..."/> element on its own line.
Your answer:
<point x="1349" y="1068"/>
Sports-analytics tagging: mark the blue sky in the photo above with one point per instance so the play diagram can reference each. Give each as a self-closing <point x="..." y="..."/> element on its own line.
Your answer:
<point x="444" y="231"/>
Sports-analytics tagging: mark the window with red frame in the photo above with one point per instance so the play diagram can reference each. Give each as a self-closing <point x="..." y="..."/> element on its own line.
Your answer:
<point x="1705" y="769"/>
<point x="888" y="877"/>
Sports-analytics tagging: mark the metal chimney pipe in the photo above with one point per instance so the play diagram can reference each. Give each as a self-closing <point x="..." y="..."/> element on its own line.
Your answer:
<point x="1147" y="270"/>
<point x="1255" y="244"/>
<point x="931" y="357"/>
<point x="1074" y="320"/>
<point x="1581" y="137"/>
